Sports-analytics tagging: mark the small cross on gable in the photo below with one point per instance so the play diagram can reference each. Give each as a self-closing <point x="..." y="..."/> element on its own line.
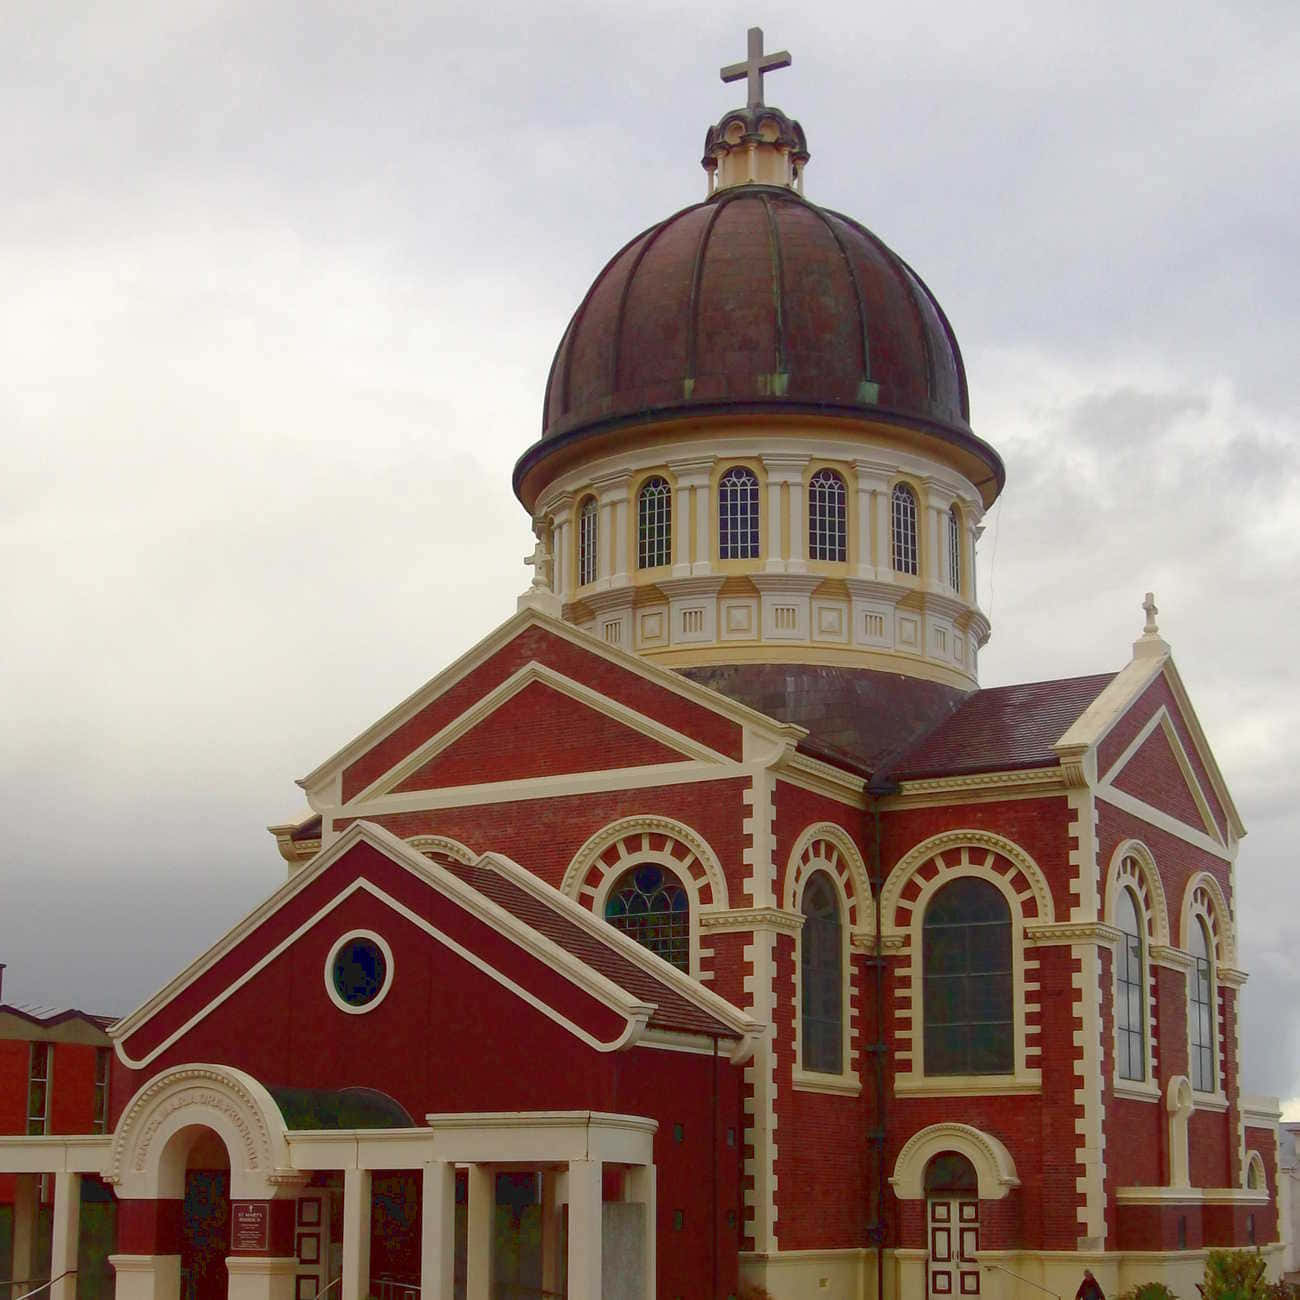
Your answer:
<point x="755" y="65"/>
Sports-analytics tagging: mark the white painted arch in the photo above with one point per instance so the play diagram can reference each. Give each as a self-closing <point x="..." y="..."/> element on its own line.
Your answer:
<point x="995" y="1170"/>
<point x="1133" y="865"/>
<point x="170" y="1111"/>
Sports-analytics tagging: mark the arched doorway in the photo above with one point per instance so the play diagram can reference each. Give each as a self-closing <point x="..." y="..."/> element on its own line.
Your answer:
<point x="205" y="1213"/>
<point x="952" y="1226"/>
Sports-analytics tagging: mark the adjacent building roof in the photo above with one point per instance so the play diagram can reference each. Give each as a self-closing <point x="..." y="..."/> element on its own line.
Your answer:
<point x="1001" y="728"/>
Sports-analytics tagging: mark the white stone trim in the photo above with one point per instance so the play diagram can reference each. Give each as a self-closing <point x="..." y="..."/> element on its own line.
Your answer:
<point x="1132" y="867"/>
<point x="444" y="845"/>
<point x="1203" y="896"/>
<point x="1253" y="1163"/>
<point x="994" y="1167"/>
<point x="334" y="996"/>
<point x="234" y="1105"/>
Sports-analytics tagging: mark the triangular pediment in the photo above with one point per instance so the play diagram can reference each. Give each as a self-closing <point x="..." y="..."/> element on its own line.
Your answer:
<point x="1156" y="769"/>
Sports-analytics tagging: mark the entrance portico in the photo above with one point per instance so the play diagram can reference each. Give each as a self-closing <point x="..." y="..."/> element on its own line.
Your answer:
<point x="595" y="1177"/>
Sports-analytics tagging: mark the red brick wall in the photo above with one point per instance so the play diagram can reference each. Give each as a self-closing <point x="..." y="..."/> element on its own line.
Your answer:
<point x="1153" y="775"/>
<point x="539" y="732"/>
<point x="535" y="644"/>
<point x="1264" y="1140"/>
<point x="1127" y="728"/>
<point x="544" y="834"/>
<point x="1209" y="1140"/>
<point x="73" y="1097"/>
<point x="15" y="1061"/>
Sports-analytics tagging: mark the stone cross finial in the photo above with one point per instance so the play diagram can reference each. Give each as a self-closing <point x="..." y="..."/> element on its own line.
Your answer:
<point x="1149" y="605"/>
<point x="757" y="63"/>
<point x="540" y="559"/>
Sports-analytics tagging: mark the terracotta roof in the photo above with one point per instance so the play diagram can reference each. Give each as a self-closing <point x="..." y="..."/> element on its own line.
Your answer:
<point x="673" y="1011"/>
<point x="1002" y="728"/>
<point x="857" y="717"/>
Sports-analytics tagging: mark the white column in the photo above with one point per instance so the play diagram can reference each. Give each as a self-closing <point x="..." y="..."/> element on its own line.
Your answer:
<point x="797" y="535"/>
<point x="24" y="1233"/>
<point x="63" y="1245"/>
<point x="703" y="562"/>
<point x="550" y="1233"/>
<point x="681" y="531"/>
<point x="146" y="1277"/>
<point x="884" y="529"/>
<point x="585" y="1229"/>
<point x="563" y="560"/>
<point x="481" y="1212"/>
<point x="621" y="559"/>
<point x="641" y="1187"/>
<point x="438" y="1229"/>
<point x="934" y="569"/>
<point x="604" y="541"/>
<point x="775" y="558"/>
<point x="356" y="1234"/>
<point x="864" y="565"/>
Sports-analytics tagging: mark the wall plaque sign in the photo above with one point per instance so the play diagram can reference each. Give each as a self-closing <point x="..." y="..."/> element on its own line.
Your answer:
<point x="250" y="1225"/>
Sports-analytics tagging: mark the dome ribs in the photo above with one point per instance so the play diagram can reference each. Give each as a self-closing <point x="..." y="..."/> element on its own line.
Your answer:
<point x="861" y="301"/>
<point x="779" y="380"/>
<point x="693" y="303"/>
<point x="620" y="317"/>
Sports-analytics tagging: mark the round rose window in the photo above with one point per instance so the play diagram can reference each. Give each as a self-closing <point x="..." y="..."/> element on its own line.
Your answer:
<point x="359" y="971"/>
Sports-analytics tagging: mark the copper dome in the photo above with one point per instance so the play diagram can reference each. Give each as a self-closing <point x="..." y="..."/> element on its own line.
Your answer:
<point x="757" y="300"/>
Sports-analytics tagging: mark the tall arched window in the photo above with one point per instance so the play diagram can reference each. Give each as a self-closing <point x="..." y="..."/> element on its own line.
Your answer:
<point x="587" y="537"/>
<point x="1200" y="1008"/>
<point x="821" y="988"/>
<point x="903" y="512"/>
<point x="827" y="517"/>
<point x="654" y="524"/>
<point x="954" y="548"/>
<point x="1130" y="990"/>
<point x="967" y="989"/>
<point x="651" y="906"/>
<point x="738" y="514"/>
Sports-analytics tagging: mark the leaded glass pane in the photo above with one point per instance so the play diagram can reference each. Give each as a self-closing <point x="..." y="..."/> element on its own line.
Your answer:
<point x="587" y="537"/>
<point x="654" y="525"/>
<point x="904" y="529"/>
<point x="650" y="905"/>
<point x="738" y="515"/>
<point x="967" y="988"/>
<point x="827" y="517"/>
<point x="821" y="983"/>
<point x="954" y="549"/>
<point x="1130" y="1001"/>
<point x="1201" y="1012"/>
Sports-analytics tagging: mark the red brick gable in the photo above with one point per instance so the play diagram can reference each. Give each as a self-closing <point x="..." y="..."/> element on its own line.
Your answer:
<point x="536" y="644"/>
<point x="539" y="731"/>
<point x="1153" y="775"/>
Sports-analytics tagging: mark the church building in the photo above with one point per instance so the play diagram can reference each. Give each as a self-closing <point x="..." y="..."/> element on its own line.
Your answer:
<point x="707" y="925"/>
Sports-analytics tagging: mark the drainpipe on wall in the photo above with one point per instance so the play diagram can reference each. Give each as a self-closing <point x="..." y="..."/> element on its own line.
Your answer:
<point x="876" y="791"/>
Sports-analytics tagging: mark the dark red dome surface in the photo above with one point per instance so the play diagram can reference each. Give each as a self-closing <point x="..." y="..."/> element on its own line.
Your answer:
<point x="757" y="300"/>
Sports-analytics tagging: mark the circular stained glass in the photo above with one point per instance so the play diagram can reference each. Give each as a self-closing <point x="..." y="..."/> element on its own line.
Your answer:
<point x="359" y="971"/>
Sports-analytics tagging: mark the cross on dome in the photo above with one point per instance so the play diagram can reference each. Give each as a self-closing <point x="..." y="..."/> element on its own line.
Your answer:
<point x="755" y="65"/>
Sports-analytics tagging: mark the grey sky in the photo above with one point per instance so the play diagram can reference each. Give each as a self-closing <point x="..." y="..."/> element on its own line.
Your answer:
<point x="283" y="283"/>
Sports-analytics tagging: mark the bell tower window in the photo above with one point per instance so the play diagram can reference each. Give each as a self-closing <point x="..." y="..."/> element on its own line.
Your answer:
<point x="738" y="515"/>
<point x="954" y="549"/>
<point x="827" y="517"/>
<point x="654" y="524"/>
<point x="587" y="537"/>
<point x="903" y="512"/>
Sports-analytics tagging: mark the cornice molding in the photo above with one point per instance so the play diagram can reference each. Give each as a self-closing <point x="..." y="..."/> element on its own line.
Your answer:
<point x="1026" y="779"/>
<point x="1231" y="977"/>
<point x="1063" y="932"/>
<point x="1163" y="954"/>
<point x="734" y="920"/>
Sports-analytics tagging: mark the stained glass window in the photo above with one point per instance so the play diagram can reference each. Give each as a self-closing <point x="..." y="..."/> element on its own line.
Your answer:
<point x="650" y="905"/>
<point x="822" y="977"/>
<point x="827" y="517"/>
<point x="967" y="980"/>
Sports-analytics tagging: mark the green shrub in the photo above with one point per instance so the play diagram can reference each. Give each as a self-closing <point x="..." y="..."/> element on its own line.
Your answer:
<point x="1148" y="1291"/>
<point x="1238" y="1275"/>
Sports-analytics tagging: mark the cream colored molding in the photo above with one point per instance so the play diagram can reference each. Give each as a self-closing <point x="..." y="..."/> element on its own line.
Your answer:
<point x="1116" y="698"/>
<point x="1022" y="783"/>
<point x="500" y="696"/>
<point x="145" y="1164"/>
<point x="1135" y="1090"/>
<point x="865" y="941"/>
<point x="971" y="1085"/>
<point x="389" y="970"/>
<point x="995" y="1170"/>
<point x="812" y="774"/>
<point x="1161" y="719"/>
<point x="1260" y="1112"/>
<point x="1214" y="908"/>
<point x="841" y="1085"/>
<point x="939" y="845"/>
<point x="1145" y="879"/>
<point x="319" y="782"/>
<point x="56" y="1154"/>
<point x="1202" y="746"/>
<point x="1216" y="1102"/>
<point x="1162" y="821"/>
<point x="1172" y="958"/>
<point x="1252" y="1170"/>
<point x="1189" y="1196"/>
<point x="1231" y="978"/>
<point x="445" y="845"/>
<point x="853" y="873"/>
<point x="743" y="920"/>
<point x="1072" y="932"/>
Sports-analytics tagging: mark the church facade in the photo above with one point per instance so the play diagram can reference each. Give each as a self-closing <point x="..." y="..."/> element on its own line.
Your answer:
<point x="707" y="923"/>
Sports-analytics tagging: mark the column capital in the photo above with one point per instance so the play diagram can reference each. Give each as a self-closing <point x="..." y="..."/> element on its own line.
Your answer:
<point x="785" y="469"/>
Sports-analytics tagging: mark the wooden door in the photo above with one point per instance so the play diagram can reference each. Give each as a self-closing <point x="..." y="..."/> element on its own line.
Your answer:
<point x="953" y="1233"/>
